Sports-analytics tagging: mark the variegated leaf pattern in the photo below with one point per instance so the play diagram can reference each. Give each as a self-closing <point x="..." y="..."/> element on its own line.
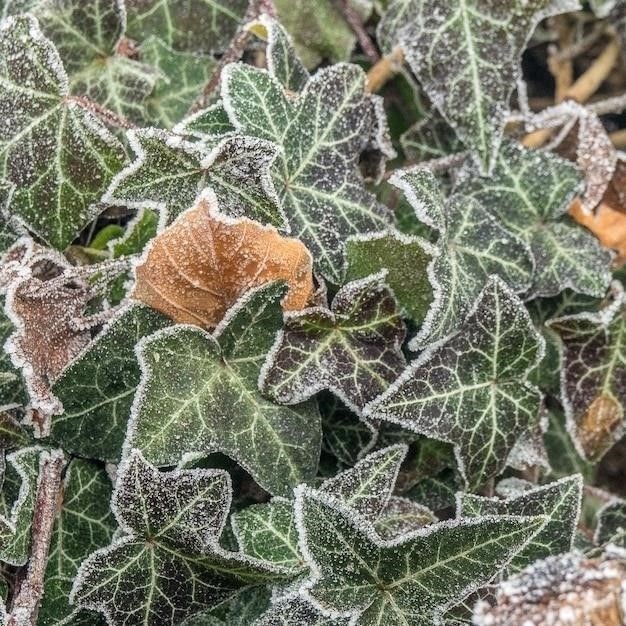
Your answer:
<point x="321" y="134"/>
<point x="56" y="157"/>
<point x="353" y="349"/>
<point x="529" y="192"/>
<point x="212" y="402"/>
<point x="471" y="391"/>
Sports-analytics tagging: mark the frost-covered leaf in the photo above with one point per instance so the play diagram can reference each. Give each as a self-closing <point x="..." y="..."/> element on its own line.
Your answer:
<point x="611" y="528"/>
<point x="12" y="389"/>
<point x="199" y="393"/>
<point x="297" y="611"/>
<point x="55" y="154"/>
<point x="593" y="376"/>
<point x="406" y="261"/>
<point x="206" y="124"/>
<point x="201" y="26"/>
<point x="199" y="266"/>
<point x="83" y="525"/>
<point x="471" y="391"/>
<point x="181" y="78"/>
<point x="353" y="349"/>
<point x="17" y="504"/>
<point x="409" y="580"/>
<point x="139" y="231"/>
<point x="97" y="388"/>
<point x="167" y="564"/>
<point x="471" y="246"/>
<point x="318" y="29"/>
<point x="530" y="193"/>
<point x="321" y="134"/>
<point x="430" y="138"/>
<point x="436" y="492"/>
<point x="240" y="610"/>
<point x="402" y="516"/>
<point x="169" y="173"/>
<point x="466" y="56"/>
<point x="559" y="502"/>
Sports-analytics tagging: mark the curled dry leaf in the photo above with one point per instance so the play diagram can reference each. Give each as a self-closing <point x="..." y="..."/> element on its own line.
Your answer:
<point x="198" y="267"/>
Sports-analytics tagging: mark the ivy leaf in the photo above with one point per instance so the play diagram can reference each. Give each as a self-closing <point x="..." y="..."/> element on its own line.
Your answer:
<point x="530" y="193"/>
<point x="559" y="502"/>
<point x="466" y="56"/>
<point x="202" y="26"/>
<point x="410" y="580"/>
<point x="57" y="157"/>
<point x="97" y="388"/>
<point x="297" y="611"/>
<point x="472" y="390"/>
<point x="471" y="247"/>
<point x="353" y="349"/>
<point x="12" y="389"/>
<point x="406" y="260"/>
<point x="83" y="525"/>
<point x="593" y="376"/>
<point x="611" y="527"/>
<point x="182" y="76"/>
<point x="430" y="138"/>
<point x="206" y="124"/>
<point x="139" y="231"/>
<point x="167" y="564"/>
<point x="321" y="134"/>
<point x="169" y="173"/>
<point x="402" y="516"/>
<point x="213" y="402"/>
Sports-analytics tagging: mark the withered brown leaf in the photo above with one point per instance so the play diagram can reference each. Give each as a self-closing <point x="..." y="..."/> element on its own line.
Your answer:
<point x="199" y="266"/>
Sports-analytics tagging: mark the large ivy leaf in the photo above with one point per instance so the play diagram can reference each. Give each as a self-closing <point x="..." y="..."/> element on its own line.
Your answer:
<point x="530" y="193"/>
<point x="321" y="133"/>
<point x="471" y="246"/>
<point x="466" y="56"/>
<point x="593" y="376"/>
<point x="83" y="525"/>
<point x="169" y="173"/>
<point x="472" y="390"/>
<point x="353" y="349"/>
<point x="212" y="403"/>
<point x="57" y="157"/>
<point x="187" y="25"/>
<point x="97" y="388"/>
<point x="559" y="502"/>
<point x="167" y="564"/>
<point x="410" y="580"/>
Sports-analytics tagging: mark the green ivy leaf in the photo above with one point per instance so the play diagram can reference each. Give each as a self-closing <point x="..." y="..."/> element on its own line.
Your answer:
<point x="402" y="516"/>
<point x="202" y="26"/>
<point x="611" y="528"/>
<point x="97" y="388"/>
<point x="297" y="611"/>
<point x="471" y="246"/>
<point x="472" y="390"/>
<point x="206" y="124"/>
<point x="530" y="192"/>
<point x="139" y="231"/>
<point x="352" y="350"/>
<point x="240" y="610"/>
<point x="83" y="525"/>
<point x="213" y="402"/>
<point x="169" y="173"/>
<point x="409" y="580"/>
<point x="167" y="564"/>
<point x="57" y="157"/>
<point x="321" y="134"/>
<point x="12" y="390"/>
<point x="406" y="261"/>
<point x="559" y="502"/>
<point x="182" y="76"/>
<point x="430" y="138"/>
<point x="466" y="56"/>
<point x="593" y="376"/>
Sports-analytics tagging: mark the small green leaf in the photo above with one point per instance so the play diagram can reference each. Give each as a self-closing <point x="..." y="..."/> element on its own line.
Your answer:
<point x="212" y="402"/>
<point x="55" y="154"/>
<point x="402" y="516"/>
<point x="430" y="138"/>
<point x="12" y="390"/>
<point x="529" y="192"/>
<point x="97" y="389"/>
<point x="593" y="376"/>
<point x="352" y="350"/>
<point x="169" y="173"/>
<point x="406" y="260"/>
<point x="139" y="231"/>
<point x="409" y="580"/>
<point x="240" y="610"/>
<point x="83" y="525"/>
<point x="471" y="391"/>
<point x="297" y="611"/>
<point x="167" y="564"/>
<point x="206" y="124"/>
<point x="321" y="134"/>
<point x="611" y="528"/>
<point x="559" y="502"/>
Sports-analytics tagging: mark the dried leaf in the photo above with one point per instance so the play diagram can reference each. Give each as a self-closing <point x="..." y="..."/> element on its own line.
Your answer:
<point x="198" y="267"/>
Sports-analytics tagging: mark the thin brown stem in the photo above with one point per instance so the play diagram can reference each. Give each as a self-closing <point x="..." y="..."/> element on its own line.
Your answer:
<point x="561" y="69"/>
<point x="619" y="139"/>
<point x="383" y="71"/>
<point x="235" y="50"/>
<point x="102" y="112"/>
<point x="574" y="50"/>
<point x="26" y="602"/>
<point x="354" y="20"/>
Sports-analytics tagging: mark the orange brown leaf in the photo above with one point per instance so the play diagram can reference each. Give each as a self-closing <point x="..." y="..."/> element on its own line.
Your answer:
<point x="199" y="266"/>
